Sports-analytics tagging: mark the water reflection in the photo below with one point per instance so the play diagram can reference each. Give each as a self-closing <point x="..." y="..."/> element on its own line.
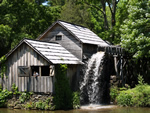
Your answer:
<point x="110" y="110"/>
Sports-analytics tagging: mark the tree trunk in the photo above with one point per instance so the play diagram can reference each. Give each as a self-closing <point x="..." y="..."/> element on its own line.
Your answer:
<point x="103" y="2"/>
<point x="113" y="19"/>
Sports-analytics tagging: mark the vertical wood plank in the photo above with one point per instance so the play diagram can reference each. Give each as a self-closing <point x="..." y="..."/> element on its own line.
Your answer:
<point x="39" y="84"/>
<point x="32" y="84"/>
<point x="48" y="84"/>
<point x="42" y="87"/>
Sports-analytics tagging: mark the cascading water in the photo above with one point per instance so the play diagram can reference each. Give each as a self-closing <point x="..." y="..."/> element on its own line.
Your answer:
<point x="89" y="87"/>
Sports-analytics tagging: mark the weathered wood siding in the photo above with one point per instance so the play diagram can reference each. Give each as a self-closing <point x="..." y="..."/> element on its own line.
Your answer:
<point x="73" y="73"/>
<point x="68" y="41"/>
<point x="26" y="56"/>
<point x="89" y="49"/>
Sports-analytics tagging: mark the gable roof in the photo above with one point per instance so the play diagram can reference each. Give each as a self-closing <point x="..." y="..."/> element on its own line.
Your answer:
<point x="51" y="52"/>
<point x="81" y="33"/>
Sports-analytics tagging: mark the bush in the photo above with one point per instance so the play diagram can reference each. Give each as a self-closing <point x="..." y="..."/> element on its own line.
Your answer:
<point x="138" y="96"/>
<point x="25" y="96"/>
<point x="45" y="105"/>
<point x="124" y="99"/>
<point x="76" y="100"/>
<point x="4" y="95"/>
<point x="15" y="89"/>
<point x="113" y="93"/>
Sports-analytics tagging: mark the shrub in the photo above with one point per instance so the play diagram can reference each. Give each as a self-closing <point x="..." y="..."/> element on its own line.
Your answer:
<point x="63" y="93"/>
<point x="113" y="93"/>
<point x="24" y="96"/>
<point x="4" y="95"/>
<point x="76" y="100"/>
<point x="15" y="89"/>
<point x="44" y="105"/>
<point x="124" y="99"/>
<point x="138" y="96"/>
<point x="29" y="105"/>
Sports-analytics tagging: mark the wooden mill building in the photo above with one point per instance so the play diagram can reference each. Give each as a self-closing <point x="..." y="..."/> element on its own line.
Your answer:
<point x="61" y="43"/>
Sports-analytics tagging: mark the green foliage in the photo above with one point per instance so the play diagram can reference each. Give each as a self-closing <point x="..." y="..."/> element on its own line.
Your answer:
<point x="63" y="93"/>
<point x="124" y="99"/>
<point x="1" y="88"/>
<point x="25" y="19"/>
<point x="15" y="89"/>
<point x="4" y="95"/>
<point x="57" y="2"/>
<point x="140" y="80"/>
<point x="2" y="66"/>
<point x="138" y="96"/>
<point x="113" y="93"/>
<point x="24" y="97"/>
<point x="40" y="105"/>
<point x="135" y="30"/>
<point x="5" y="38"/>
<point x="45" y="105"/>
<point x="29" y="105"/>
<point x="121" y="15"/>
<point x="76" y="100"/>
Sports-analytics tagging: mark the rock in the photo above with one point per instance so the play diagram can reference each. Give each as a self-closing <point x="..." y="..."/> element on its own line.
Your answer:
<point x="18" y="106"/>
<point x="17" y="102"/>
<point x="114" y="78"/>
<point x="11" y="106"/>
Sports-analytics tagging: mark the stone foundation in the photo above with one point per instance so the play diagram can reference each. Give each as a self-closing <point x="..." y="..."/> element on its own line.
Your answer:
<point x="32" y="102"/>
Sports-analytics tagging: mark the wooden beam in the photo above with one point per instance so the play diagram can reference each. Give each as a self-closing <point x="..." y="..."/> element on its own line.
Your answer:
<point x="40" y="71"/>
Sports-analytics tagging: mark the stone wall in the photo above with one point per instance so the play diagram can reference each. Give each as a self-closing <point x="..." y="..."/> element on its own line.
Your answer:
<point x="35" y="101"/>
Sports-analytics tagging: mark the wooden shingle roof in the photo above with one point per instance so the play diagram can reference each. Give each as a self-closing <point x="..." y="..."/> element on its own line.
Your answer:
<point x="52" y="52"/>
<point x="83" y="34"/>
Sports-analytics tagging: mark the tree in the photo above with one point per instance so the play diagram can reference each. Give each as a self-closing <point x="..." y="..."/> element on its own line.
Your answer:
<point x="121" y="15"/>
<point x="135" y="29"/>
<point x="25" y="19"/>
<point x="135" y="38"/>
<point x="5" y="38"/>
<point x="57" y="2"/>
<point x="101" y="5"/>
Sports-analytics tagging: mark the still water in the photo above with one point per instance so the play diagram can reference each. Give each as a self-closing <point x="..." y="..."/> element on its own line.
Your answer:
<point x="106" y="110"/>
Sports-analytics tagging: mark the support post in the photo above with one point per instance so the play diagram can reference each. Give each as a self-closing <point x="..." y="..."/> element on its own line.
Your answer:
<point x="40" y="72"/>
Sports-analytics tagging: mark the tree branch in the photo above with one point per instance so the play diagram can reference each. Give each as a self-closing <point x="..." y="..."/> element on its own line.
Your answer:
<point x="91" y="5"/>
<point x="109" y="6"/>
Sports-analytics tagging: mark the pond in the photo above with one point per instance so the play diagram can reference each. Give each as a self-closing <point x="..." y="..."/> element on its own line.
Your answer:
<point x="104" y="110"/>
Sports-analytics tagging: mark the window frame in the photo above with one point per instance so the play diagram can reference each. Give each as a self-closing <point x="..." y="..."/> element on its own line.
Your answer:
<point x="24" y="69"/>
<point x="58" y="37"/>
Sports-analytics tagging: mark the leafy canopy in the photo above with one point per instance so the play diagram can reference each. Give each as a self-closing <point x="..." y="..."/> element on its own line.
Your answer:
<point x="135" y="35"/>
<point x="21" y="18"/>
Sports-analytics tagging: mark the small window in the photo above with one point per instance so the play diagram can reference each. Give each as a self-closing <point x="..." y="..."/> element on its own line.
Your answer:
<point x="23" y="71"/>
<point x="58" y="37"/>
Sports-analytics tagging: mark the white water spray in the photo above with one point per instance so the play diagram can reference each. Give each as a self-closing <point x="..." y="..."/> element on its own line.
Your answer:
<point x="90" y="82"/>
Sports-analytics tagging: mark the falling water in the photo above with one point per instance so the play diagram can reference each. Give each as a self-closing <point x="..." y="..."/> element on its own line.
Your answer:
<point x="89" y="87"/>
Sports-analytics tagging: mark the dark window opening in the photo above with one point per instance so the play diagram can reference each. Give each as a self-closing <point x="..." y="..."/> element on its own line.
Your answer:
<point x="35" y="69"/>
<point x="45" y="71"/>
<point x="58" y="37"/>
<point x="23" y="71"/>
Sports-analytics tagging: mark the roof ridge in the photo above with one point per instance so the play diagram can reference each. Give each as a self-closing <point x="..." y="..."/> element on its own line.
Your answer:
<point x="41" y="41"/>
<point x="72" y="23"/>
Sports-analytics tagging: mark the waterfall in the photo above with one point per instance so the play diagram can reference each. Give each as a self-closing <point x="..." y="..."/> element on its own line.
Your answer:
<point x="89" y="87"/>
